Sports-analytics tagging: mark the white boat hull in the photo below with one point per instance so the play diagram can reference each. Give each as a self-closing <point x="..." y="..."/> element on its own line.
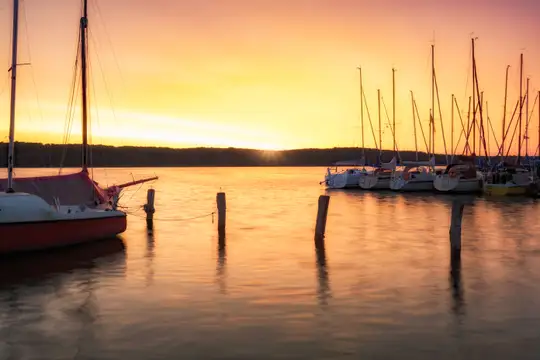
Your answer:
<point x="399" y="184"/>
<point x="445" y="183"/>
<point x="343" y="180"/>
<point x="28" y="223"/>
<point x="374" y="182"/>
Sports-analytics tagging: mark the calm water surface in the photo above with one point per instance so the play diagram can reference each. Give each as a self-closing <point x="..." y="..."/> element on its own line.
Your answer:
<point x="382" y="288"/>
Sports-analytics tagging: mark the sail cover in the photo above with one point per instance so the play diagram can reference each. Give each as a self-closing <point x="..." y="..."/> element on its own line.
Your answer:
<point x="69" y="189"/>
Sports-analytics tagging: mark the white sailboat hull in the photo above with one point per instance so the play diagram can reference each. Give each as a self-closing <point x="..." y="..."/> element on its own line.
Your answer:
<point x="344" y="180"/>
<point x="445" y="183"/>
<point x="399" y="184"/>
<point x="374" y="182"/>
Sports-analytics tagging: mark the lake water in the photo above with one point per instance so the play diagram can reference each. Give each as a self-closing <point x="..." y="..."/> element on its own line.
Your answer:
<point x="382" y="288"/>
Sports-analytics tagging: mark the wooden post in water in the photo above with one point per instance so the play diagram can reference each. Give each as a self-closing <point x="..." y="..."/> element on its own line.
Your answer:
<point x="149" y="208"/>
<point x="322" y="214"/>
<point x="455" y="229"/>
<point x="222" y="212"/>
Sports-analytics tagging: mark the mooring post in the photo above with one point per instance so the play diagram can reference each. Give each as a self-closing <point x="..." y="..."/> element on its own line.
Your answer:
<point x="322" y="213"/>
<point x="455" y="228"/>
<point x="222" y="212"/>
<point x="149" y="208"/>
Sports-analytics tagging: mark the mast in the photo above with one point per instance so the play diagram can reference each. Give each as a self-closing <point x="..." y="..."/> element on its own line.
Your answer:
<point x="468" y="147"/>
<point x="504" y="111"/>
<point x="394" y="109"/>
<point x="527" y="120"/>
<point x="488" y="133"/>
<point x="414" y="126"/>
<point x="538" y="123"/>
<point x="84" y="73"/>
<point x="429" y="135"/>
<point x="473" y="102"/>
<point x="362" y="112"/>
<point x="432" y="111"/>
<point x="452" y="133"/>
<point x="520" y="105"/>
<point x="11" y="148"/>
<point x="380" y="124"/>
<point x="481" y="133"/>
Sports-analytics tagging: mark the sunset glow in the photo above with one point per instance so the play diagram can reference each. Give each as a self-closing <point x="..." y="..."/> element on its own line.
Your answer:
<point x="265" y="74"/>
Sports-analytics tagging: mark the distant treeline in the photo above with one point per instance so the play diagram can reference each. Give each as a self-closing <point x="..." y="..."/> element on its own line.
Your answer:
<point x="54" y="155"/>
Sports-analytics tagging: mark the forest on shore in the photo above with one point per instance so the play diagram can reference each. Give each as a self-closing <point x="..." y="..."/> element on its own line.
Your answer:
<point x="55" y="155"/>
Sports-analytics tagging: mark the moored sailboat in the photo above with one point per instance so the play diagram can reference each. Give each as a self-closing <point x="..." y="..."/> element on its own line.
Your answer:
<point x="462" y="177"/>
<point x="416" y="176"/>
<point x="347" y="174"/>
<point x="380" y="178"/>
<point x="69" y="209"/>
<point x="507" y="180"/>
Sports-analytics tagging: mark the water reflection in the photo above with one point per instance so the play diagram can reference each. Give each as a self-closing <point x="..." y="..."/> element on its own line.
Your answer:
<point x="323" y="290"/>
<point x="150" y="253"/>
<point x="35" y="266"/>
<point x="385" y="284"/>
<point x="48" y="299"/>
<point x="458" y="302"/>
<point x="221" y="269"/>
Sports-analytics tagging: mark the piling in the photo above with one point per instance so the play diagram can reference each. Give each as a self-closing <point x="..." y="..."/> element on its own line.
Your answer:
<point x="455" y="229"/>
<point x="149" y="208"/>
<point x="222" y="211"/>
<point x="322" y="214"/>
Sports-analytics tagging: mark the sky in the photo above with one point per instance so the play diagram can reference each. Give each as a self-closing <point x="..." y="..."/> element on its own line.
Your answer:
<point x="267" y="74"/>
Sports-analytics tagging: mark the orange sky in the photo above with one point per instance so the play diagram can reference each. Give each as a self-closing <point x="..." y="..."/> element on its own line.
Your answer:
<point x="262" y="73"/>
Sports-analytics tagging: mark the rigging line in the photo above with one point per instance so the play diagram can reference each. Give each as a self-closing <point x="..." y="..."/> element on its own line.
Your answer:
<point x="136" y="191"/>
<point x="70" y="116"/>
<point x="32" y="72"/>
<point x="104" y="23"/>
<point x="469" y="68"/>
<point x="70" y="111"/>
<point x="480" y="100"/>
<point x="505" y="135"/>
<point x="440" y="117"/>
<point x="421" y="127"/>
<point x="96" y="107"/>
<point x="73" y="94"/>
<point x="463" y="131"/>
<point x="369" y="119"/>
<point x="106" y="84"/>
<point x="515" y="127"/>
<point x="529" y="120"/>
<point x="471" y="124"/>
<point x="391" y="129"/>
<point x="512" y="139"/>
<point x="493" y="131"/>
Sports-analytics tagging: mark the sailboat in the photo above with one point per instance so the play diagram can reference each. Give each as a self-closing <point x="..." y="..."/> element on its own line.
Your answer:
<point x="511" y="179"/>
<point x="380" y="178"/>
<point x="66" y="189"/>
<point x="45" y="212"/>
<point x="416" y="176"/>
<point x="347" y="174"/>
<point x="463" y="176"/>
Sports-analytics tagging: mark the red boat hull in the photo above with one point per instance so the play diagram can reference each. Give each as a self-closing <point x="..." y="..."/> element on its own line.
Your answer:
<point x="40" y="235"/>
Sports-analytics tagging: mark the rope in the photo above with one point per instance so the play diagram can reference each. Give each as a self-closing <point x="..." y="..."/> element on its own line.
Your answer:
<point x="176" y="219"/>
